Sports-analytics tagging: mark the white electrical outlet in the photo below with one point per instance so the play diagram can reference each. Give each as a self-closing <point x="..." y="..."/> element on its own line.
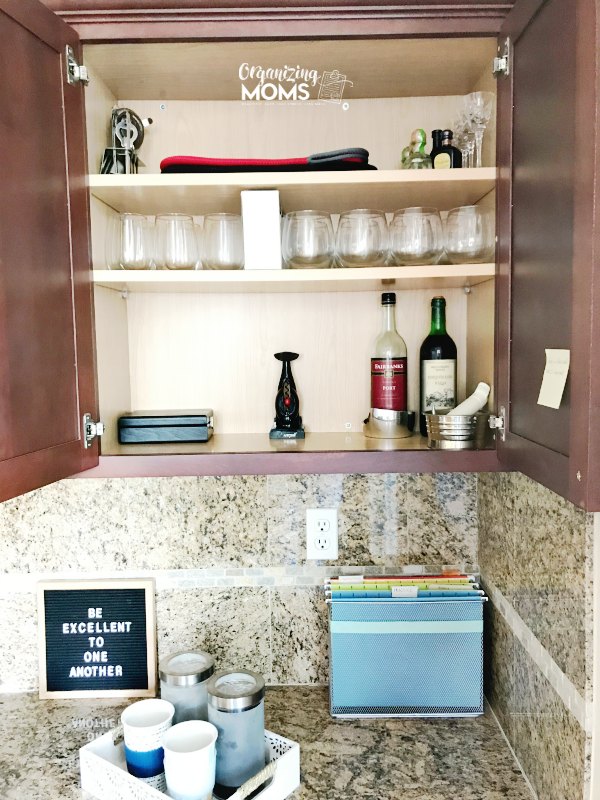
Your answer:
<point x="321" y="534"/>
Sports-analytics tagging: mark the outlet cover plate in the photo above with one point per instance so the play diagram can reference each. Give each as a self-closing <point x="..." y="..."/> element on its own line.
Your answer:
<point x="322" y="534"/>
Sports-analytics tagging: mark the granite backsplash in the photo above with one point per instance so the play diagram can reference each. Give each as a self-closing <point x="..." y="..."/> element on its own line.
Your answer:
<point x="227" y="554"/>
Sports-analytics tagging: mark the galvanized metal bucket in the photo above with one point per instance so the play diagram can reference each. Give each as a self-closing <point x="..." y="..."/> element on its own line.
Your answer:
<point x="462" y="432"/>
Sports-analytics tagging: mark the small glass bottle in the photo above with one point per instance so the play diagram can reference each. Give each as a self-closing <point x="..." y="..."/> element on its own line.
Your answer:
<point x="446" y="156"/>
<point x="418" y="158"/>
<point x="436" y="146"/>
<point x="236" y="708"/>
<point x="183" y="679"/>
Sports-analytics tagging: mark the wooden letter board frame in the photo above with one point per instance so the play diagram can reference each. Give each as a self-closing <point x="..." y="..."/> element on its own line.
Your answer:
<point x="101" y="585"/>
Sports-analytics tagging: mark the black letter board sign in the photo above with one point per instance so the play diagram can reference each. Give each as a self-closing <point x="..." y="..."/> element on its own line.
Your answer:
<point x="97" y="638"/>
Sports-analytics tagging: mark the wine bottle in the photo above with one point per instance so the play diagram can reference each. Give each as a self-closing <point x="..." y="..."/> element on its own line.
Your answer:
<point x="438" y="366"/>
<point x="388" y="362"/>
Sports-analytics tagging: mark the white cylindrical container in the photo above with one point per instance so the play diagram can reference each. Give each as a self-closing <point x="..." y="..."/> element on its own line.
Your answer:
<point x="236" y="708"/>
<point x="183" y="679"/>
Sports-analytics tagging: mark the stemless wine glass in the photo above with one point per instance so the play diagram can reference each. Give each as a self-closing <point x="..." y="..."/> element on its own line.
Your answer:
<point x="176" y="242"/>
<point x="416" y="236"/>
<point x="307" y="240"/>
<point x="223" y="242"/>
<point x="129" y="242"/>
<point x="478" y="108"/>
<point x="469" y="235"/>
<point x="362" y="238"/>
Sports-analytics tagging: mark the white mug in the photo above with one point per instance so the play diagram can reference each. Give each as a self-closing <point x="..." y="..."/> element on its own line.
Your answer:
<point x="190" y="760"/>
<point x="144" y="724"/>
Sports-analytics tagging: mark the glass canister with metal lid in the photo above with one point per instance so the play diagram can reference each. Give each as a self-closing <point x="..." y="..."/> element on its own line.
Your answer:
<point x="183" y="680"/>
<point x="236" y="707"/>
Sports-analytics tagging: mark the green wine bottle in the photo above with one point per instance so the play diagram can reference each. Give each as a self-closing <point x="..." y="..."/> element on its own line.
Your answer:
<point x="438" y="367"/>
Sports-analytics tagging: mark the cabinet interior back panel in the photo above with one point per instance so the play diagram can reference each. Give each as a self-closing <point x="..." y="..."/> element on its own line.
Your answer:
<point x="211" y="70"/>
<point x="223" y="129"/>
<point x="191" y="351"/>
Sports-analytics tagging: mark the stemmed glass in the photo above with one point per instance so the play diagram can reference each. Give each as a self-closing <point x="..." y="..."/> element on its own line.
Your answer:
<point x="464" y="139"/>
<point x="478" y="109"/>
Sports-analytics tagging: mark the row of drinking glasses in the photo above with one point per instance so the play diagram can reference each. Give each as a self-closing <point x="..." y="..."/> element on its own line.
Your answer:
<point x="175" y="241"/>
<point x="363" y="238"/>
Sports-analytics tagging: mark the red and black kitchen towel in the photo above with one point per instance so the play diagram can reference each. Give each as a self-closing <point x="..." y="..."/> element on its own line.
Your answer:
<point x="351" y="159"/>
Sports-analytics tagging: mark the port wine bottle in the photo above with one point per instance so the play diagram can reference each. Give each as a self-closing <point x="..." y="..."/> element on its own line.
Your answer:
<point x="438" y="367"/>
<point x="388" y="362"/>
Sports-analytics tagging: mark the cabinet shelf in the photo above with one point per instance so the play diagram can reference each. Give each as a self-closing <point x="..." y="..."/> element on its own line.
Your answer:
<point x="332" y="192"/>
<point x="286" y="280"/>
<point x="256" y="454"/>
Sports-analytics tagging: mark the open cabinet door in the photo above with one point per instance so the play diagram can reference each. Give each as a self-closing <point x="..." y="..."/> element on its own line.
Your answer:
<point x="47" y="374"/>
<point x="545" y="292"/>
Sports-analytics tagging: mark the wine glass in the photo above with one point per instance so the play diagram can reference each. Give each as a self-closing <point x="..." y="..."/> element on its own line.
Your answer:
<point x="478" y="108"/>
<point x="307" y="240"/>
<point x="129" y="242"/>
<point x="362" y="238"/>
<point x="416" y="236"/>
<point x="176" y="242"/>
<point x="469" y="235"/>
<point x="464" y="139"/>
<point x="223" y="242"/>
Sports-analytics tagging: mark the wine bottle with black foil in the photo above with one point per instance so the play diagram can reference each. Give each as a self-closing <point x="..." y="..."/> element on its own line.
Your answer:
<point x="438" y="366"/>
<point x="388" y="362"/>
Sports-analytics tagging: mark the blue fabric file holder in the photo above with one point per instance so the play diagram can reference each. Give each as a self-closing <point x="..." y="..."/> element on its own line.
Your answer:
<point x="406" y="657"/>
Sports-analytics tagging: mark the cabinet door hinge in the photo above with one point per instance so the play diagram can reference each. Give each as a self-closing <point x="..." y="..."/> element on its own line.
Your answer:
<point x="76" y="73"/>
<point x="501" y="64"/>
<point x="91" y="430"/>
<point x="497" y="423"/>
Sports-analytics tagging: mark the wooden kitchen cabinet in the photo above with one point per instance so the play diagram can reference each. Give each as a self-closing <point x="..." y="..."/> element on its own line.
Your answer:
<point x="153" y="331"/>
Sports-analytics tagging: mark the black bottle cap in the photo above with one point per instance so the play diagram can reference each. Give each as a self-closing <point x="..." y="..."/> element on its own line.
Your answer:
<point x="438" y="301"/>
<point x="388" y="299"/>
<point x="447" y="134"/>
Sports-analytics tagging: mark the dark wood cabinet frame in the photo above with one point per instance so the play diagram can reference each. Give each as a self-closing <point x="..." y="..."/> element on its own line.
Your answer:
<point x="137" y="20"/>
<point x="572" y="467"/>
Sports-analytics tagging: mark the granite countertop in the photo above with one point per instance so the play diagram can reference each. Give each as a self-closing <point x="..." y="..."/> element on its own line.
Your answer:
<point x="376" y="759"/>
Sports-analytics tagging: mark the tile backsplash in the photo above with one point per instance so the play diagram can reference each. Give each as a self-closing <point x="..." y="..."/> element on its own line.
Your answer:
<point x="228" y="556"/>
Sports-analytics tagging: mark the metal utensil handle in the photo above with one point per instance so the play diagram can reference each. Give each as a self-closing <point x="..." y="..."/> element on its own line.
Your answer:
<point x="257" y="780"/>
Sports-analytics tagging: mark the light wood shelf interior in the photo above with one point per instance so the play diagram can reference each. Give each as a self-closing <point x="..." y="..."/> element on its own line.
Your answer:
<point x="332" y="192"/>
<point x="310" y="280"/>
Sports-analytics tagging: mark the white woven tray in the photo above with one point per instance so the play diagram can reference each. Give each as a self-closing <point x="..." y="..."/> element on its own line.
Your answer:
<point x="104" y="772"/>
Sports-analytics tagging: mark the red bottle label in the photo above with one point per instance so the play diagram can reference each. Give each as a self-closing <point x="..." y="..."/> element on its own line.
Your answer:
<point x="388" y="383"/>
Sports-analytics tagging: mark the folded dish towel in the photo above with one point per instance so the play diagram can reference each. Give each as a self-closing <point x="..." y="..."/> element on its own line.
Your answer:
<point x="351" y="159"/>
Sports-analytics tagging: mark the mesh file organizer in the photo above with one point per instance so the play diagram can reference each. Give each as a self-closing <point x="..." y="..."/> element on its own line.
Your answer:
<point x="406" y="657"/>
